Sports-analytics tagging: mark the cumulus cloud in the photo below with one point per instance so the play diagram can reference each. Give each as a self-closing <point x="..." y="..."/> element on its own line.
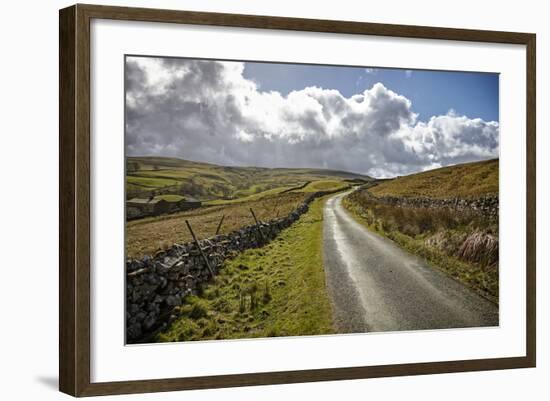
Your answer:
<point x="207" y="111"/>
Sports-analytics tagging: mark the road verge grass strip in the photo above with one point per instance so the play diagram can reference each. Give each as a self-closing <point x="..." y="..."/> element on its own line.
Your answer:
<point x="482" y="279"/>
<point x="276" y="290"/>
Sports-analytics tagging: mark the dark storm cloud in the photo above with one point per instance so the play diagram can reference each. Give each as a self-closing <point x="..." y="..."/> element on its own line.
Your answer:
<point x="207" y="111"/>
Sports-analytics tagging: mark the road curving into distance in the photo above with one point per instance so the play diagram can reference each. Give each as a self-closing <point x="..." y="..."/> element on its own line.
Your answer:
<point x="376" y="286"/>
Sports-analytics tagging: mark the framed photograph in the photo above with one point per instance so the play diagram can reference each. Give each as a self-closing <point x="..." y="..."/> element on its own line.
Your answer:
<point x="250" y="200"/>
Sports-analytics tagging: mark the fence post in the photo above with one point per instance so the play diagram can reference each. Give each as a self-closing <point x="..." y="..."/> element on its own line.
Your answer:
<point x="200" y="249"/>
<point x="258" y="225"/>
<point x="220" y="225"/>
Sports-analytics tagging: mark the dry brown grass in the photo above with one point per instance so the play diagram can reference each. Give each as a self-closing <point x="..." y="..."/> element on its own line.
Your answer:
<point x="464" y="244"/>
<point x="480" y="247"/>
<point x="467" y="180"/>
<point x="414" y="221"/>
<point x="147" y="236"/>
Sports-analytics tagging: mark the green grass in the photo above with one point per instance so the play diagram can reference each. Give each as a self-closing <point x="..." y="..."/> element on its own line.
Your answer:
<point x="170" y="197"/>
<point x="253" y="197"/>
<point x="150" y="182"/>
<point x="483" y="280"/>
<point x="277" y="290"/>
<point x="209" y="182"/>
<point x="467" y="180"/>
<point x="164" y="173"/>
<point x="323" y="185"/>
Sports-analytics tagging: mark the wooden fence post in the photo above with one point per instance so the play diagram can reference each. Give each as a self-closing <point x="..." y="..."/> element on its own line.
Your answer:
<point x="258" y="225"/>
<point x="220" y="225"/>
<point x="200" y="249"/>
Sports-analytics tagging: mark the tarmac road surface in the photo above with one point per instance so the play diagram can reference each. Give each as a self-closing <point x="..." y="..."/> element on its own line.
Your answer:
<point x="376" y="286"/>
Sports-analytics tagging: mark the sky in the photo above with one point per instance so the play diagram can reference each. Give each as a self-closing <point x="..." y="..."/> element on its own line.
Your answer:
<point x="431" y="92"/>
<point x="375" y="121"/>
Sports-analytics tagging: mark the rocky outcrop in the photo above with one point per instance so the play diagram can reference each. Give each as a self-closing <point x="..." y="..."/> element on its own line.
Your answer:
<point x="155" y="285"/>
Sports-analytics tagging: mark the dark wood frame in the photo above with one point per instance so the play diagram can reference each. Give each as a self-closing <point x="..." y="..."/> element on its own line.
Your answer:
<point x="74" y="199"/>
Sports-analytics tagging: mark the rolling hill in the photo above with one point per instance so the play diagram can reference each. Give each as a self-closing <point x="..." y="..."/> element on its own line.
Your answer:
<point x="468" y="180"/>
<point x="205" y="181"/>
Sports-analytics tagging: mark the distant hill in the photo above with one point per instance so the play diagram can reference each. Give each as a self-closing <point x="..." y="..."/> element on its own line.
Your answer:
<point x="467" y="180"/>
<point x="206" y="181"/>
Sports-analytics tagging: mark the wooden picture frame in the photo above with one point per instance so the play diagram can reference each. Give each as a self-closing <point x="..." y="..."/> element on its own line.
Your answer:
<point x="74" y="203"/>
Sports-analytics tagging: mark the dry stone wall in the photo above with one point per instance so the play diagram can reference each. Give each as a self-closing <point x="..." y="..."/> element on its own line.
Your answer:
<point x="487" y="205"/>
<point x="155" y="285"/>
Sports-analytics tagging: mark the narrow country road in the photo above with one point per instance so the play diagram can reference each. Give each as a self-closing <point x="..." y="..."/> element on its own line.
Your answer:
<point x="376" y="286"/>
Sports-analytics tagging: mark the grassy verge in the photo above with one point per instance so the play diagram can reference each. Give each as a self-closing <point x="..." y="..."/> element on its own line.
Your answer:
<point x="277" y="290"/>
<point x="435" y="235"/>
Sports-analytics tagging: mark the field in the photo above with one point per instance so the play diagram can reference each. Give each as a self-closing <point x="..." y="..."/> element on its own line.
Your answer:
<point x="277" y="290"/>
<point x="148" y="235"/>
<point x="170" y="197"/>
<point x="463" y="243"/>
<point x="209" y="182"/>
<point x="323" y="185"/>
<point x="228" y="192"/>
<point x="469" y="180"/>
<point x="307" y="187"/>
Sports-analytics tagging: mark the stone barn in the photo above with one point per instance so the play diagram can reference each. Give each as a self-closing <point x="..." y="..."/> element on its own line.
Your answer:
<point x="138" y="207"/>
<point x="188" y="203"/>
